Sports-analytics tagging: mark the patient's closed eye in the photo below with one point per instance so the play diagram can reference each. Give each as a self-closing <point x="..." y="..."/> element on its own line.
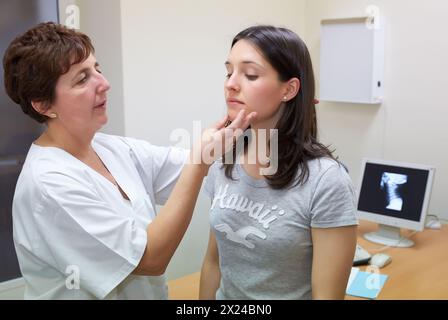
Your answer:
<point x="251" y="77"/>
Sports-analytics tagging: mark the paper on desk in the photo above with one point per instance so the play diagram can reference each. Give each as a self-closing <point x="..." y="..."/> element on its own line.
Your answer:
<point x="365" y="284"/>
<point x="352" y="277"/>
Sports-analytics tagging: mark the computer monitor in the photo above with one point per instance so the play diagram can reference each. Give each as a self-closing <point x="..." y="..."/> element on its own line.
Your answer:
<point x="395" y="195"/>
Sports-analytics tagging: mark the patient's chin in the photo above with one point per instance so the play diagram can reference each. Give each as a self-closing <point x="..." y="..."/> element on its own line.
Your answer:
<point x="233" y="113"/>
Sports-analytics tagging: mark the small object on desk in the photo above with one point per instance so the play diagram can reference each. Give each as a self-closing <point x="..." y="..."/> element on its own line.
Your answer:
<point x="380" y="260"/>
<point x="433" y="223"/>
<point x="361" y="257"/>
<point x="365" y="284"/>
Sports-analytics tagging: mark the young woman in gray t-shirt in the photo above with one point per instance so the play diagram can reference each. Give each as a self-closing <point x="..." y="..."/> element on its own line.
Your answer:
<point x="282" y="226"/>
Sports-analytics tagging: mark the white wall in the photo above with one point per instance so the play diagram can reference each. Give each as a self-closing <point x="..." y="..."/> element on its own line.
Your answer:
<point x="100" y="19"/>
<point x="410" y="125"/>
<point x="174" y="53"/>
<point x="173" y="69"/>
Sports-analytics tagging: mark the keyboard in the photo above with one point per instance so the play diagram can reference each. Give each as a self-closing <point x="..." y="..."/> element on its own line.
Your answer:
<point x="362" y="256"/>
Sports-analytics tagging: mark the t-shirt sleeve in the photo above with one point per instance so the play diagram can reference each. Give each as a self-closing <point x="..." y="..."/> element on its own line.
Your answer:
<point x="81" y="230"/>
<point x="159" y="167"/>
<point x="333" y="201"/>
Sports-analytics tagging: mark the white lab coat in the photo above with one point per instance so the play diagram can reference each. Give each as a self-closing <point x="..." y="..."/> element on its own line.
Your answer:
<point x="73" y="228"/>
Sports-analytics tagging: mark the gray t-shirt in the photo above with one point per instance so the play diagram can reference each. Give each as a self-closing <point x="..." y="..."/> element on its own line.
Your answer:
<point x="264" y="235"/>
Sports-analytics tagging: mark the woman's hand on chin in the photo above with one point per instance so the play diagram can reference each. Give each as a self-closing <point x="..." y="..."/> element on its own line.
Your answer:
<point x="219" y="139"/>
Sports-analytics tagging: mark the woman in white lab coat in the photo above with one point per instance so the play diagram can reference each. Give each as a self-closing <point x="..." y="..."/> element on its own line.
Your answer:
<point x="84" y="219"/>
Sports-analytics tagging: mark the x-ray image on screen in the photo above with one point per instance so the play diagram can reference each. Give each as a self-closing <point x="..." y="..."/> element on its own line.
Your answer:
<point x="393" y="191"/>
<point x="392" y="184"/>
<point x="395" y="195"/>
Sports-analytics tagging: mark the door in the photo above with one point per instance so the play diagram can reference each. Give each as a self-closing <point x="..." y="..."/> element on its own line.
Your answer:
<point x="17" y="130"/>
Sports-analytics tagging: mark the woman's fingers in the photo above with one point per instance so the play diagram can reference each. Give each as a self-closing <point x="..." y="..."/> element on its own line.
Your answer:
<point x="249" y="118"/>
<point x="236" y="129"/>
<point x="242" y="121"/>
<point x="220" y="124"/>
<point x="238" y="120"/>
<point x="219" y="139"/>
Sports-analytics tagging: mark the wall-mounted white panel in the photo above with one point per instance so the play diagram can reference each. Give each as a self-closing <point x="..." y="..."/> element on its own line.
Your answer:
<point x="351" y="60"/>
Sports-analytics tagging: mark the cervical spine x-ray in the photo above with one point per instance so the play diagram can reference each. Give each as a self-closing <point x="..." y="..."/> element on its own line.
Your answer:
<point x="391" y="183"/>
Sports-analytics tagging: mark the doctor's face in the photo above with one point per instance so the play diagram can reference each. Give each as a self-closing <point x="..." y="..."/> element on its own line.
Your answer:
<point x="81" y="98"/>
<point x="252" y="83"/>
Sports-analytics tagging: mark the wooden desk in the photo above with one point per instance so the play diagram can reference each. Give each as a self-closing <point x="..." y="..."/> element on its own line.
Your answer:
<point x="419" y="272"/>
<point x="185" y="288"/>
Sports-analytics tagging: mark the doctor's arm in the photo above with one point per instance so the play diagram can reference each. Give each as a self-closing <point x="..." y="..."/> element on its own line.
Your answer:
<point x="333" y="251"/>
<point x="167" y="230"/>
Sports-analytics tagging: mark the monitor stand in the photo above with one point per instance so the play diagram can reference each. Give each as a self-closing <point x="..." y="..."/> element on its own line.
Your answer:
<point x="389" y="236"/>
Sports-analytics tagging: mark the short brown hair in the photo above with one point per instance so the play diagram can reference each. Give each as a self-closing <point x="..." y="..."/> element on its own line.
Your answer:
<point x="35" y="60"/>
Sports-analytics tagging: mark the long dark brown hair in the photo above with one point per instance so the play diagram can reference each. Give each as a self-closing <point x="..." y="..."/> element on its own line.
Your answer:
<point x="297" y="126"/>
